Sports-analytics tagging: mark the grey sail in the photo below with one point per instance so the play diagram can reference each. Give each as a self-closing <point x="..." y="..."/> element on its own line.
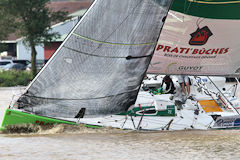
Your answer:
<point x="101" y="63"/>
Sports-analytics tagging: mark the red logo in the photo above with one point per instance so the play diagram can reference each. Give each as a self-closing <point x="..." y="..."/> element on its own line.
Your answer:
<point x="200" y="36"/>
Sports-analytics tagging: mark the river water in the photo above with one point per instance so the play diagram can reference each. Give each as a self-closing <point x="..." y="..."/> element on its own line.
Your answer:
<point x="65" y="142"/>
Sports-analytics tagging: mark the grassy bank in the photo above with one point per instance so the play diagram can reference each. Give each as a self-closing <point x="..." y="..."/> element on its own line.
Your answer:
<point x="14" y="78"/>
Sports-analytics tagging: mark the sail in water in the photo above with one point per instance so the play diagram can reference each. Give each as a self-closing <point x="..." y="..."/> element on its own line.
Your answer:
<point x="200" y="37"/>
<point x="100" y="66"/>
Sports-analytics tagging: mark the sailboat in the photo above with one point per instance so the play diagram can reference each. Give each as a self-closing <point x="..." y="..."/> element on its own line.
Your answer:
<point x="95" y="76"/>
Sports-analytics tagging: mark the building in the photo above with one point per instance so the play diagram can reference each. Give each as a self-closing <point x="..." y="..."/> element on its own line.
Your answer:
<point x="18" y="50"/>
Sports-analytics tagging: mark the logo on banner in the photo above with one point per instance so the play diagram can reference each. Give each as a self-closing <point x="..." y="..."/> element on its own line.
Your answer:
<point x="227" y="122"/>
<point x="200" y="36"/>
<point x="190" y="68"/>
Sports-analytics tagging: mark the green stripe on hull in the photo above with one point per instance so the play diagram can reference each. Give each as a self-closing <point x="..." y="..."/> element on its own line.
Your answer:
<point x="14" y="117"/>
<point x="216" y="9"/>
<point x="150" y="111"/>
<point x="93" y="126"/>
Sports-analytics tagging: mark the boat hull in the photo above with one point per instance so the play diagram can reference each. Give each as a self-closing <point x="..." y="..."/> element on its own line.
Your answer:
<point x="15" y="117"/>
<point x="176" y="120"/>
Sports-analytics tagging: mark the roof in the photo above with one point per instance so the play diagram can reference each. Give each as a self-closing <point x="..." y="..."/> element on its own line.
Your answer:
<point x="69" y="7"/>
<point x="78" y="13"/>
<point x="73" y="9"/>
<point x="60" y="39"/>
<point x="12" y="38"/>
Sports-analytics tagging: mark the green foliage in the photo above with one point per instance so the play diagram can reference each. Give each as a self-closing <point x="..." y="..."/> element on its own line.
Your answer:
<point x="3" y="47"/>
<point x="6" y="24"/>
<point x="33" y="20"/>
<point x="14" y="78"/>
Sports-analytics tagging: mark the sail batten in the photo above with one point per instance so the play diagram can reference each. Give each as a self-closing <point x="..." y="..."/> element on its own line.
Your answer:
<point x="126" y="57"/>
<point x="105" y="42"/>
<point x="101" y="64"/>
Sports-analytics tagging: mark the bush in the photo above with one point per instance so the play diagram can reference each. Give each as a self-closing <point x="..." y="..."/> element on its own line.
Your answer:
<point x="14" y="78"/>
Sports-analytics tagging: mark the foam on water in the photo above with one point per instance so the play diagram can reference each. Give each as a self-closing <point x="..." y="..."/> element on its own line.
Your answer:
<point x="30" y="129"/>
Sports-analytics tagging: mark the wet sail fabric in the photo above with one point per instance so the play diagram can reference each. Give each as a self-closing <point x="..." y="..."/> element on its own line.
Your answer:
<point x="199" y="37"/>
<point x="101" y="63"/>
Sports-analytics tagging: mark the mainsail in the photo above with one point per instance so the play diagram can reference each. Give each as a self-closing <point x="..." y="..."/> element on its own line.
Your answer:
<point x="200" y="37"/>
<point x="101" y="63"/>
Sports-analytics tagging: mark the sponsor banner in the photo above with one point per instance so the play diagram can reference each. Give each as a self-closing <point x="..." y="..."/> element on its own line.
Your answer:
<point x="216" y="9"/>
<point x="197" y="46"/>
<point x="226" y="122"/>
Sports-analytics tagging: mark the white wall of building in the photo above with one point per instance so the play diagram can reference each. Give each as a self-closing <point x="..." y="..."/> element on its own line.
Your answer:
<point x="62" y="28"/>
<point x="24" y="52"/>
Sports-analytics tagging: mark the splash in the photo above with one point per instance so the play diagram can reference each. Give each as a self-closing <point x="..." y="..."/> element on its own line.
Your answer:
<point x="31" y="129"/>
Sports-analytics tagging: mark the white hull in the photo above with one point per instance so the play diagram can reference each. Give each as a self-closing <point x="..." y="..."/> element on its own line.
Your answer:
<point x="180" y="122"/>
<point x="191" y="116"/>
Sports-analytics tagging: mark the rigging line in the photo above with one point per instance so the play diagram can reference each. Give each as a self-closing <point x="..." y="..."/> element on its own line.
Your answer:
<point x="161" y="122"/>
<point x="103" y="42"/>
<point x="186" y="9"/>
<point x="220" y="92"/>
<point x="176" y="122"/>
<point x="199" y="21"/>
<point x="128" y="57"/>
<point x="79" y="99"/>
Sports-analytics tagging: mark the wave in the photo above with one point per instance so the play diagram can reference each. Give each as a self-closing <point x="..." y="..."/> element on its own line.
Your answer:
<point x="31" y="129"/>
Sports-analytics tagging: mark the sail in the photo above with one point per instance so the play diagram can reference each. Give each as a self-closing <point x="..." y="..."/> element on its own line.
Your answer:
<point x="199" y="37"/>
<point x="100" y="65"/>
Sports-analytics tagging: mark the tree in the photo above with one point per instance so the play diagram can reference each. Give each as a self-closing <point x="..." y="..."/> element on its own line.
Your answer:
<point x="33" y="20"/>
<point x="6" y="27"/>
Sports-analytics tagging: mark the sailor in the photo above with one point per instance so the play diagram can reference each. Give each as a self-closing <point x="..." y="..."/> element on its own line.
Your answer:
<point x="184" y="81"/>
<point x="169" y="85"/>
